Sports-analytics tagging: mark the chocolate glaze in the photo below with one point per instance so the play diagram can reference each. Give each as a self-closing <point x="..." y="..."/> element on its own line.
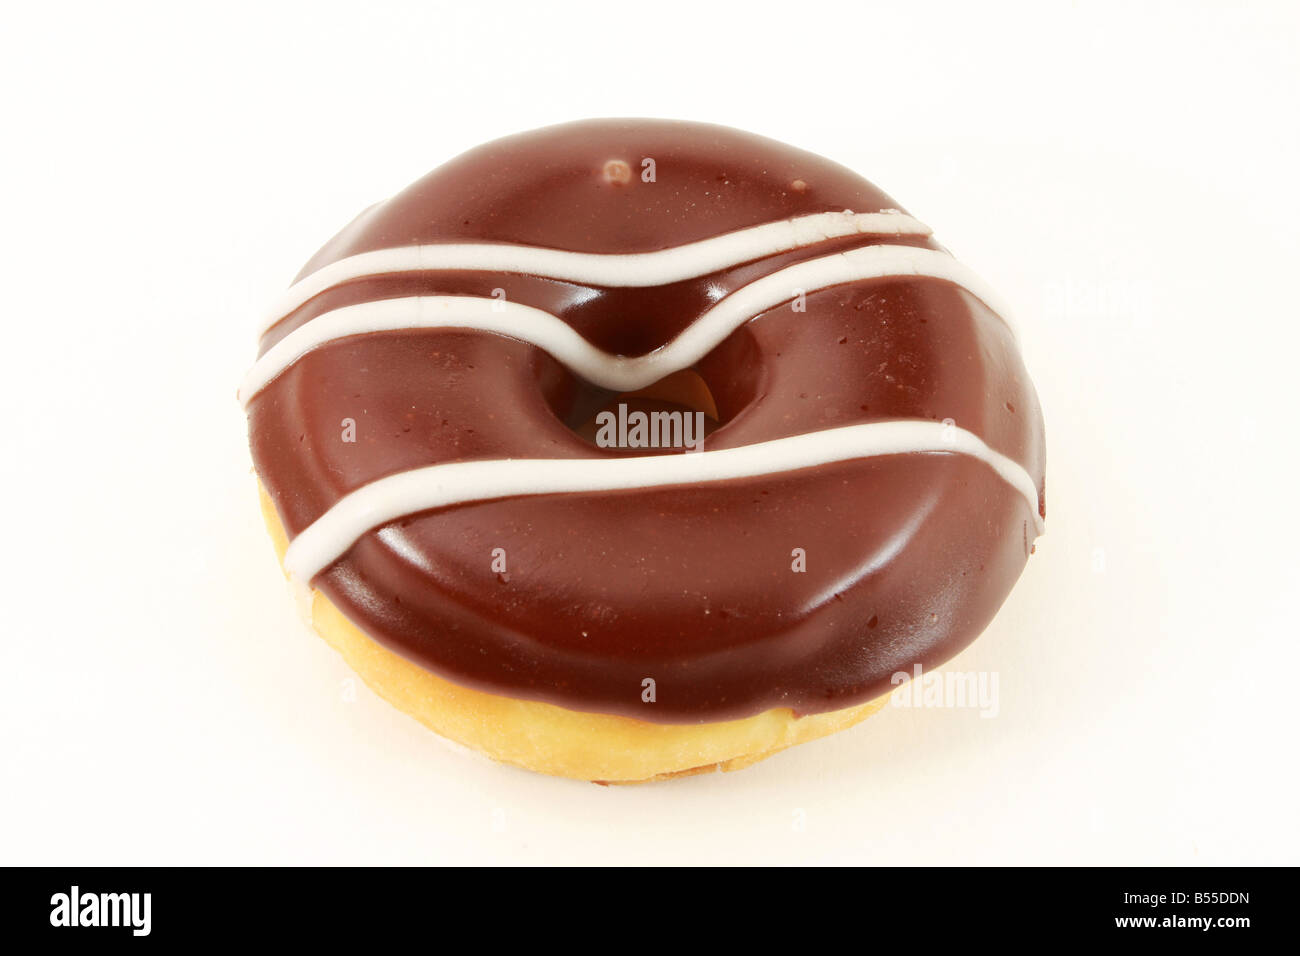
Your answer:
<point x="908" y="557"/>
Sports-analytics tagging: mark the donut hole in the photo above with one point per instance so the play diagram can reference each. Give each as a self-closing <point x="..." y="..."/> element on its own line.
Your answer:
<point x="735" y="372"/>
<point x="718" y="387"/>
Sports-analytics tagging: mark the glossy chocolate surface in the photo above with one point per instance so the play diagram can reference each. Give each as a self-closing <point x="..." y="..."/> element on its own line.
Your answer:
<point x="908" y="556"/>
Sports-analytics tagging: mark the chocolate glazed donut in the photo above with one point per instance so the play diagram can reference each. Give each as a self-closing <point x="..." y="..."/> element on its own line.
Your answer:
<point x="865" y="501"/>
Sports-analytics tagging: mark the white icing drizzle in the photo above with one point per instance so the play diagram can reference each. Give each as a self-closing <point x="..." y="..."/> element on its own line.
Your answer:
<point x="616" y="372"/>
<point x="442" y="485"/>
<point x="604" y="269"/>
<point x="438" y="486"/>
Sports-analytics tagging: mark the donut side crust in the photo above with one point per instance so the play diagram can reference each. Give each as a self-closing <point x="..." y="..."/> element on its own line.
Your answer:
<point x="545" y="738"/>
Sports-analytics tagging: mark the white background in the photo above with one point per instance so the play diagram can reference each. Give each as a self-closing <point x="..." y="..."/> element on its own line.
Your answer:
<point x="1125" y="174"/>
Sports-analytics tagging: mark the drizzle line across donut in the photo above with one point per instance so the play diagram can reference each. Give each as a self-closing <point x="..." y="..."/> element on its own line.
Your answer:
<point x="439" y="486"/>
<point x="608" y="269"/>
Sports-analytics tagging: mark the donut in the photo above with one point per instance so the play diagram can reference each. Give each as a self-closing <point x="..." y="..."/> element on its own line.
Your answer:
<point x="628" y="449"/>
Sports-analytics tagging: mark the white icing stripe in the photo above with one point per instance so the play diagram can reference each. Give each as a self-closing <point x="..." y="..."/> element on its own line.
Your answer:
<point x="438" y="486"/>
<point x="611" y="371"/>
<point x="605" y="269"/>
